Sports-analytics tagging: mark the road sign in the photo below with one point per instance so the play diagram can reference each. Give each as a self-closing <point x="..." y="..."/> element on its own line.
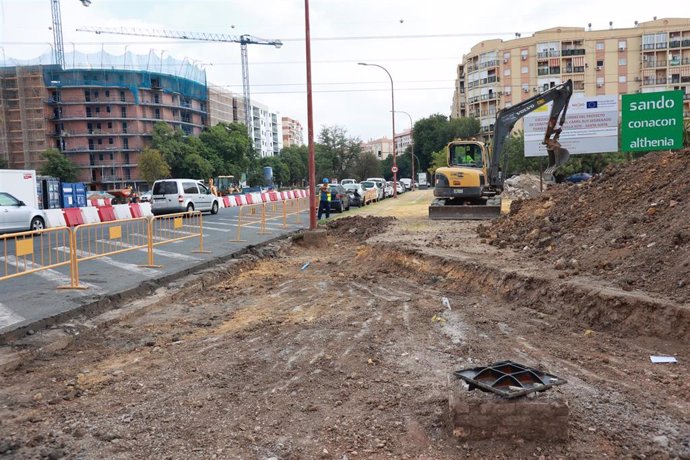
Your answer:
<point x="394" y="169"/>
<point x="652" y="121"/>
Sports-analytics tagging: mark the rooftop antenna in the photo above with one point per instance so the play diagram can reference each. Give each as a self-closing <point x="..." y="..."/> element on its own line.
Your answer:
<point x="610" y="24"/>
<point x="518" y="34"/>
<point x="655" y="18"/>
<point x="590" y="26"/>
<point x="637" y="24"/>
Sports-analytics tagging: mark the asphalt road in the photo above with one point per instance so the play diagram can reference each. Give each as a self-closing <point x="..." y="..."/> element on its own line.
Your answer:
<point x="33" y="297"/>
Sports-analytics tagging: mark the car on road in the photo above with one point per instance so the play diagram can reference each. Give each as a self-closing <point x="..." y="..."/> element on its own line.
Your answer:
<point x="348" y="181"/>
<point x="578" y="177"/>
<point x="16" y="216"/>
<point x="407" y="183"/>
<point x="146" y="197"/>
<point x="180" y="195"/>
<point x="388" y="188"/>
<point x="340" y="200"/>
<point x="400" y="188"/>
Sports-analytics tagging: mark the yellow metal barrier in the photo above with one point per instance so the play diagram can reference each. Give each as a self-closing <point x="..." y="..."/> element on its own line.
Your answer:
<point x="30" y="252"/>
<point x="92" y="241"/>
<point x="168" y="228"/>
<point x="250" y="214"/>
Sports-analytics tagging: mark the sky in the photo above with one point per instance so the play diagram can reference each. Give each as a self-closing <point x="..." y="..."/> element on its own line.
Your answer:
<point x="420" y="43"/>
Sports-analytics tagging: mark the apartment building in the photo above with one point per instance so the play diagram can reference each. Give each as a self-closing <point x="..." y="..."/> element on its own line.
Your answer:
<point x="382" y="148"/>
<point x="265" y="130"/>
<point x="402" y="141"/>
<point x="650" y="56"/>
<point x="101" y="118"/>
<point x="293" y="133"/>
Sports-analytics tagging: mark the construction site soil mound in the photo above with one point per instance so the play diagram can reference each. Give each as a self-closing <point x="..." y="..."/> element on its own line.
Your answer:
<point x="359" y="227"/>
<point x="629" y="225"/>
<point x="523" y="186"/>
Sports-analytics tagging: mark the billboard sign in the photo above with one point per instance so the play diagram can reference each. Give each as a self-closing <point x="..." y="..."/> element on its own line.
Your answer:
<point x="652" y="121"/>
<point x="591" y="126"/>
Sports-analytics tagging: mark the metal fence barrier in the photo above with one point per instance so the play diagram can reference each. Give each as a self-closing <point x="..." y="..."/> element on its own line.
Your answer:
<point x="30" y="252"/>
<point x="250" y="215"/>
<point x="169" y="228"/>
<point x="92" y="241"/>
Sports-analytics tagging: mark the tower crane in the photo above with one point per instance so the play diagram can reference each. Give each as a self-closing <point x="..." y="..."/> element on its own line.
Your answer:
<point x="243" y="40"/>
<point x="58" y="46"/>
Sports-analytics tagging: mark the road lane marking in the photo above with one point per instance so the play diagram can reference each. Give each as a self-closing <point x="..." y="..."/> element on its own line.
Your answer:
<point x="160" y="252"/>
<point x="8" y="317"/>
<point x="115" y="263"/>
<point x="49" y="274"/>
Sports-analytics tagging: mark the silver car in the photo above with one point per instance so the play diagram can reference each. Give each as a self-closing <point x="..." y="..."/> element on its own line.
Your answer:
<point x="180" y="195"/>
<point x="15" y="216"/>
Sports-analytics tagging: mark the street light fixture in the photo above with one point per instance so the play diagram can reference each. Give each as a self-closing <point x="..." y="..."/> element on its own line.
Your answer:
<point x="395" y="164"/>
<point x="411" y="145"/>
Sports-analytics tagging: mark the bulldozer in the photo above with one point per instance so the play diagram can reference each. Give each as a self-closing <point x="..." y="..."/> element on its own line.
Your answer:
<point x="469" y="188"/>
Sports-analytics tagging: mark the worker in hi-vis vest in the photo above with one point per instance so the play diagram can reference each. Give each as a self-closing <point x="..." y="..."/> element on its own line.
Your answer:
<point x="324" y="199"/>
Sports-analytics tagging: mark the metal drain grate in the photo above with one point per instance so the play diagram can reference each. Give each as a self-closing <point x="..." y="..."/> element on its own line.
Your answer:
<point x="508" y="379"/>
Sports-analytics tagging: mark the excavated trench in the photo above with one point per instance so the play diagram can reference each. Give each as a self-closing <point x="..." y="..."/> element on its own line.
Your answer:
<point x="591" y="303"/>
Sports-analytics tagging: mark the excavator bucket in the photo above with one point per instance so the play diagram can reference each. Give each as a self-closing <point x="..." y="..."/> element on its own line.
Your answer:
<point x="557" y="157"/>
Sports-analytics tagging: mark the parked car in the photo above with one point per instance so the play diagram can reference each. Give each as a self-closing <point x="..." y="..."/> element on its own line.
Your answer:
<point x="407" y="183"/>
<point x="348" y="181"/>
<point x="359" y="196"/>
<point x="146" y="197"/>
<point x="180" y="195"/>
<point x="389" y="189"/>
<point x="400" y="188"/>
<point x="16" y="216"/>
<point x="373" y="185"/>
<point x="579" y="177"/>
<point x="340" y="200"/>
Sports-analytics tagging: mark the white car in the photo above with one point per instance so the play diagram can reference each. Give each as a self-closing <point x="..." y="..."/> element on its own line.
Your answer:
<point x="389" y="189"/>
<point x="180" y="195"/>
<point x="370" y="184"/>
<point x="400" y="187"/>
<point x="348" y="181"/>
<point x="16" y="216"/>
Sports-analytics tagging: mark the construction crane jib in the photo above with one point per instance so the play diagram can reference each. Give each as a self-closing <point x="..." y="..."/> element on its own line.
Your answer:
<point x="243" y="40"/>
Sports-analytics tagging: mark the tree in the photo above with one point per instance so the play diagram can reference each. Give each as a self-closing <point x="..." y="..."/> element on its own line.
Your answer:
<point x="336" y="152"/>
<point x="58" y="165"/>
<point x="4" y="164"/>
<point x="196" y="166"/>
<point x="296" y="158"/>
<point x="228" y="147"/>
<point x="367" y="166"/>
<point x="152" y="165"/>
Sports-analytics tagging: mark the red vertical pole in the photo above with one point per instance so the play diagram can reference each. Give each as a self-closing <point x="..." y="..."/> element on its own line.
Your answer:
<point x="310" y="124"/>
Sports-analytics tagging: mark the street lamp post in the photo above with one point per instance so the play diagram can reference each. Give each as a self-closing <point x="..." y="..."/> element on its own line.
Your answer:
<point x="411" y="146"/>
<point x="395" y="164"/>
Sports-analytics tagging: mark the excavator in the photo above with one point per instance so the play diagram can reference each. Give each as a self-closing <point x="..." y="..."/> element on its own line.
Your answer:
<point x="470" y="187"/>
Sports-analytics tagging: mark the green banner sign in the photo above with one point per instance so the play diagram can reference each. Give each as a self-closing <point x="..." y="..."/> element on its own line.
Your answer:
<point x="652" y="121"/>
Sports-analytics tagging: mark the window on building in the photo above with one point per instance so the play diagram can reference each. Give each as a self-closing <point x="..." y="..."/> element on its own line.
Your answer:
<point x="123" y="112"/>
<point x="124" y="127"/>
<point x="107" y="93"/>
<point x="100" y="141"/>
<point x="110" y="141"/>
<point x="110" y="125"/>
<point x="622" y="45"/>
<point x="506" y="56"/>
<point x="525" y="87"/>
<point x="88" y="112"/>
<point x="523" y="54"/>
<point x="107" y="108"/>
<point x="622" y="61"/>
<point x="524" y="69"/>
<point x="98" y="110"/>
<point x="506" y="72"/>
<point x="600" y="46"/>
<point x="158" y="114"/>
<point x="100" y="156"/>
<point x="111" y="156"/>
<point x="600" y="82"/>
<point x="125" y="144"/>
<point x="89" y="128"/>
<point x="90" y="144"/>
<point x="95" y="94"/>
<point x="600" y="64"/>
<point x="622" y="79"/>
<point x="98" y="126"/>
<point x="122" y="96"/>
<point x="87" y="95"/>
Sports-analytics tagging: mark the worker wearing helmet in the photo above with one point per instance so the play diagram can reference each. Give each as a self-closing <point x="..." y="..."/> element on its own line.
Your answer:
<point x="324" y="199"/>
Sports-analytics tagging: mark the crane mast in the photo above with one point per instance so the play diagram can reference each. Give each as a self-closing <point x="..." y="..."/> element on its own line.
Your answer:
<point x="243" y="40"/>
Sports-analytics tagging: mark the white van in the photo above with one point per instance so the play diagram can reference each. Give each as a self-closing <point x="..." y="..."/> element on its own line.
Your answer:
<point x="180" y="195"/>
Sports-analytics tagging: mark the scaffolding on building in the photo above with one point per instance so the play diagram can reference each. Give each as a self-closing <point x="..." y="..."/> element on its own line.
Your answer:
<point x="22" y="123"/>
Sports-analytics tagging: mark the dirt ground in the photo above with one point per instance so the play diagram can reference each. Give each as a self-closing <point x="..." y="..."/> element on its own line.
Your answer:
<point x="346" y="352"/>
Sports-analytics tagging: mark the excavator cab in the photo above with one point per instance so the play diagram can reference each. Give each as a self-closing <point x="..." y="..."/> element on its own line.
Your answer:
<point x="465" y="154"/>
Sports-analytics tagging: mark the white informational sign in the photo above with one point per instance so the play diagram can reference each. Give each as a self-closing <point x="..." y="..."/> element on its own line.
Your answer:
<point x="591" y="126"/>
